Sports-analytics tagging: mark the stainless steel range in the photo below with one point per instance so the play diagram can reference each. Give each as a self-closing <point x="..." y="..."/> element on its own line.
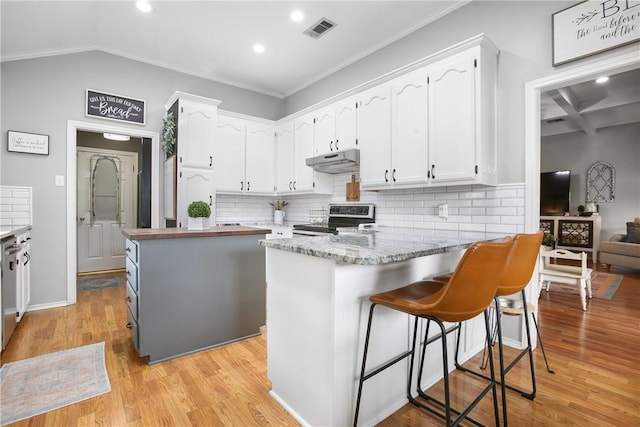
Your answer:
<point x="341" y="217"/>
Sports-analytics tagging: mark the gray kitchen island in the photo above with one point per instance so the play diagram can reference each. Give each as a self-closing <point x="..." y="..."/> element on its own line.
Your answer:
<point x="191" y="290"/>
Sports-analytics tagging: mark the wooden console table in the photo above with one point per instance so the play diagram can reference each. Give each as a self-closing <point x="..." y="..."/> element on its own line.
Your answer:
<point x="574" y="232"/>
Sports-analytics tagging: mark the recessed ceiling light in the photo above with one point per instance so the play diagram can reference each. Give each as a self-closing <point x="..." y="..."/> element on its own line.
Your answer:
<point x="602" y="79"/>
<point x="116" y="137"/>
<point x="144" y="6"/>
<point x="258" y="48"/>
<point x="296" y="16"/>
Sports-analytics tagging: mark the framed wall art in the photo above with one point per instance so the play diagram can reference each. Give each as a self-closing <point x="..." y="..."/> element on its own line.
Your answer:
<point x="592" y="27"/>
<point x="25" y="142"/>
<point x="115" y="107"/>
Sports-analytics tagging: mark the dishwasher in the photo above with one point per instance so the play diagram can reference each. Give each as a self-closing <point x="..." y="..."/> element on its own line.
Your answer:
<point x="9" y="288"/>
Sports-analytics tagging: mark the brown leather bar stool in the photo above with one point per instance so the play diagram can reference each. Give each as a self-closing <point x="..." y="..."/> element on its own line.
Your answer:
<point x="516" y="275"/>
<point x="468" y="293"/>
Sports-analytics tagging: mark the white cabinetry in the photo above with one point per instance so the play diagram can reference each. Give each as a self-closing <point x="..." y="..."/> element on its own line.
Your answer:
<point x="245" y="156"/>
<point x="393" y="133"/>
<point x="336" y="126"/>
<point x="374" y="135"/>
<point x="23" y="273"/>
<point x="462" y="118"/>
<point x="196" y="126"/>
<point x="296" y="144"/>
<point x="260" y="160"/>
<point x="432" y="126"/>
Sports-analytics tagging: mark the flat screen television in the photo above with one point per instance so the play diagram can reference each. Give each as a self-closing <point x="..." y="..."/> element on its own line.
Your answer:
<point x="555" y="192"/>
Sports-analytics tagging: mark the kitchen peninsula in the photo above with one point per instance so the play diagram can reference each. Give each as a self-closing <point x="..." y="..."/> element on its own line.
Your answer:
<point x="191" y="290"/>
<point x="317" y="308"/>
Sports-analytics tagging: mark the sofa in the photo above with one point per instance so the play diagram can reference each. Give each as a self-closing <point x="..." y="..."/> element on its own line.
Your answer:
<point x="622" y="249"/>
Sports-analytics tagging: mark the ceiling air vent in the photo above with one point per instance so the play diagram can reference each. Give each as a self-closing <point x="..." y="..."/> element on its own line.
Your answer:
<point x="319" y="28"/>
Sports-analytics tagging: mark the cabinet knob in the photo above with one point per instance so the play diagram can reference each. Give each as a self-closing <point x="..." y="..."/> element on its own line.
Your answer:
<point x="393" y="175"/>
<point x="128" y="273"/>
<point x="386" y="175"/>
<point x="330" y="145"/>
<point x="241" y="185"/>
<point x="128" y="250"/>
<point x="294" y="185"/>
<point x="337" y="145"/>
<point x="248" y="186"/>
<point x="210" y="160"/>
<point x="129" y="325"/>
<point x="128" y="299"/>
<point x="290" y="185"/>
<point x="433" y="174"/>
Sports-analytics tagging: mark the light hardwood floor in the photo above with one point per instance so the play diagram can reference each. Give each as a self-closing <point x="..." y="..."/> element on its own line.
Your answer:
<point x="594" y="354"/>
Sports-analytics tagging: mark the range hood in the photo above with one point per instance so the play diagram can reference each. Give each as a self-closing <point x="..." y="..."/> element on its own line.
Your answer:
<point x="339" y="162"/>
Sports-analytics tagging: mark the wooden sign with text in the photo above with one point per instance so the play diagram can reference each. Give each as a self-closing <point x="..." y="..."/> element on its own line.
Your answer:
<point x="115" y="107"/>
<point x="592" y="27"/>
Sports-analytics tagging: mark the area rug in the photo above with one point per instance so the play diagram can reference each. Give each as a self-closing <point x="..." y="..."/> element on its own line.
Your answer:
<point x="40" y="384"/>
<point x="603" y="285"/>
<point x="100" y="281"/>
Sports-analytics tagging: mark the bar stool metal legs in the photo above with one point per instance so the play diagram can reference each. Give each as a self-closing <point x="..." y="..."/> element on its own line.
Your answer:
<point x="497" y="332"/>
<point x="446" y="405"/>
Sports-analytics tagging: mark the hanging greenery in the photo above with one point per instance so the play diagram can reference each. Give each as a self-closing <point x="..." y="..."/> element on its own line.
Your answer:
<point x="169" y="134"/>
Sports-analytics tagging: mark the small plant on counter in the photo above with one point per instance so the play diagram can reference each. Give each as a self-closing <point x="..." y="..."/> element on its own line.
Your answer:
<point x="279" y="204"/>
<point x="168" y="134"/>
<point x="199" y="213"/>
<point x="199" y="209"/>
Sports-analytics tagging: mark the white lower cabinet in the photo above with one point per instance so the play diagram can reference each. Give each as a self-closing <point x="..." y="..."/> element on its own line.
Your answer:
<point x="23" y="273"/>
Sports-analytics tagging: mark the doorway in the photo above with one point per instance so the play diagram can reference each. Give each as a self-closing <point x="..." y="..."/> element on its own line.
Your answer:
<point x="107" y="202"/>
<point x="73" y="127"/>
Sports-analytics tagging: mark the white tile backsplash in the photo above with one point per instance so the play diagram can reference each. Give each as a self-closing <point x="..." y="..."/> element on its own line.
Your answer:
<point x="471" y="210"/>
<point x="16" y="204"/>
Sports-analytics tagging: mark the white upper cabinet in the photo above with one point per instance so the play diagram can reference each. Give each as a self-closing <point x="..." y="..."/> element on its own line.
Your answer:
<point x="284" y="158"/>
<point x="324" y="130"/>
<point x="374" y="136"/>
<point x="462" y="143"/>
<point x="336" y="126"/>
<point x="295" y="143"/>
<point x="245" y="156"/>
<point x="196" y="130"/>
<point x="409" y="129"/>
<point x="346" y="120"/>
<point x="393" y="133"/>
<point x="303" y="148"/>
<point x="260" y="163"/>
<point x="230" y="155"/>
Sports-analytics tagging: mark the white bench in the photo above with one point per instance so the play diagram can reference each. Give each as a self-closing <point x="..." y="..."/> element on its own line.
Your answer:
<point x="578" y="276"/>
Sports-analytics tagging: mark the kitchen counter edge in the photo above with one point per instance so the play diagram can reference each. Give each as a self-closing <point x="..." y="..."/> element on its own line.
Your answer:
<point x="183" y="233"/>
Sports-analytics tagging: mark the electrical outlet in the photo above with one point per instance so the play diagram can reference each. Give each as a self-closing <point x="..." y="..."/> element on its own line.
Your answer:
<point x="443" y="211"/>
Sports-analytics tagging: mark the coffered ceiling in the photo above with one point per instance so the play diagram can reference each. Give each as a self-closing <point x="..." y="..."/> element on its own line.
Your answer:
<point x="589" y="106"/>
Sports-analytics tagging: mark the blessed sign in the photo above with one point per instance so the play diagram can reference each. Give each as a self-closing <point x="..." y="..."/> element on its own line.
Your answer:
<point x="591" y="27"/>
<point x="115" y="107"/>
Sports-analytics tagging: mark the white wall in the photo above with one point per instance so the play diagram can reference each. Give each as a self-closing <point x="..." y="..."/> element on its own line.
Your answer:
<point x="41" y="95"/>
<point x="620" y="147"/>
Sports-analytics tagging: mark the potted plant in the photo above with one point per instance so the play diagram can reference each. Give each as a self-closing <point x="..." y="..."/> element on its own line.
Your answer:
<point x="199" y="213"/>
<point x="168" y="135"/>
<point x="549" y="241"/>
<point x="580" y="210"/>
<point x="278" y="213"/>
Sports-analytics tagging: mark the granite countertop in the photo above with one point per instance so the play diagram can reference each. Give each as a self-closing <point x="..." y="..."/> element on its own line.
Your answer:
<point x="183" y="233"/>
<point x="386" y="245"/>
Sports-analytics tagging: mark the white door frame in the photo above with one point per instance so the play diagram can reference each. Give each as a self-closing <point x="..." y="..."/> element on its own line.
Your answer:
<point x="72" y="129"/>
<point x="533" y="89"/>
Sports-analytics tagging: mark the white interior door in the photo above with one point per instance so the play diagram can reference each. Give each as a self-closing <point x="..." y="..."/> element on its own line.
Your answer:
<point x="107" y="203"/>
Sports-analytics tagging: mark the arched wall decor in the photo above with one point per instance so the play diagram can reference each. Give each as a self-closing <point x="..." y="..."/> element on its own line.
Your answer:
<point x="601" y="183"/>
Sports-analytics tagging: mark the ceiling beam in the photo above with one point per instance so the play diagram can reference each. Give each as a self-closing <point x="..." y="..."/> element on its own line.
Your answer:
<point x="567" y="100"/>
